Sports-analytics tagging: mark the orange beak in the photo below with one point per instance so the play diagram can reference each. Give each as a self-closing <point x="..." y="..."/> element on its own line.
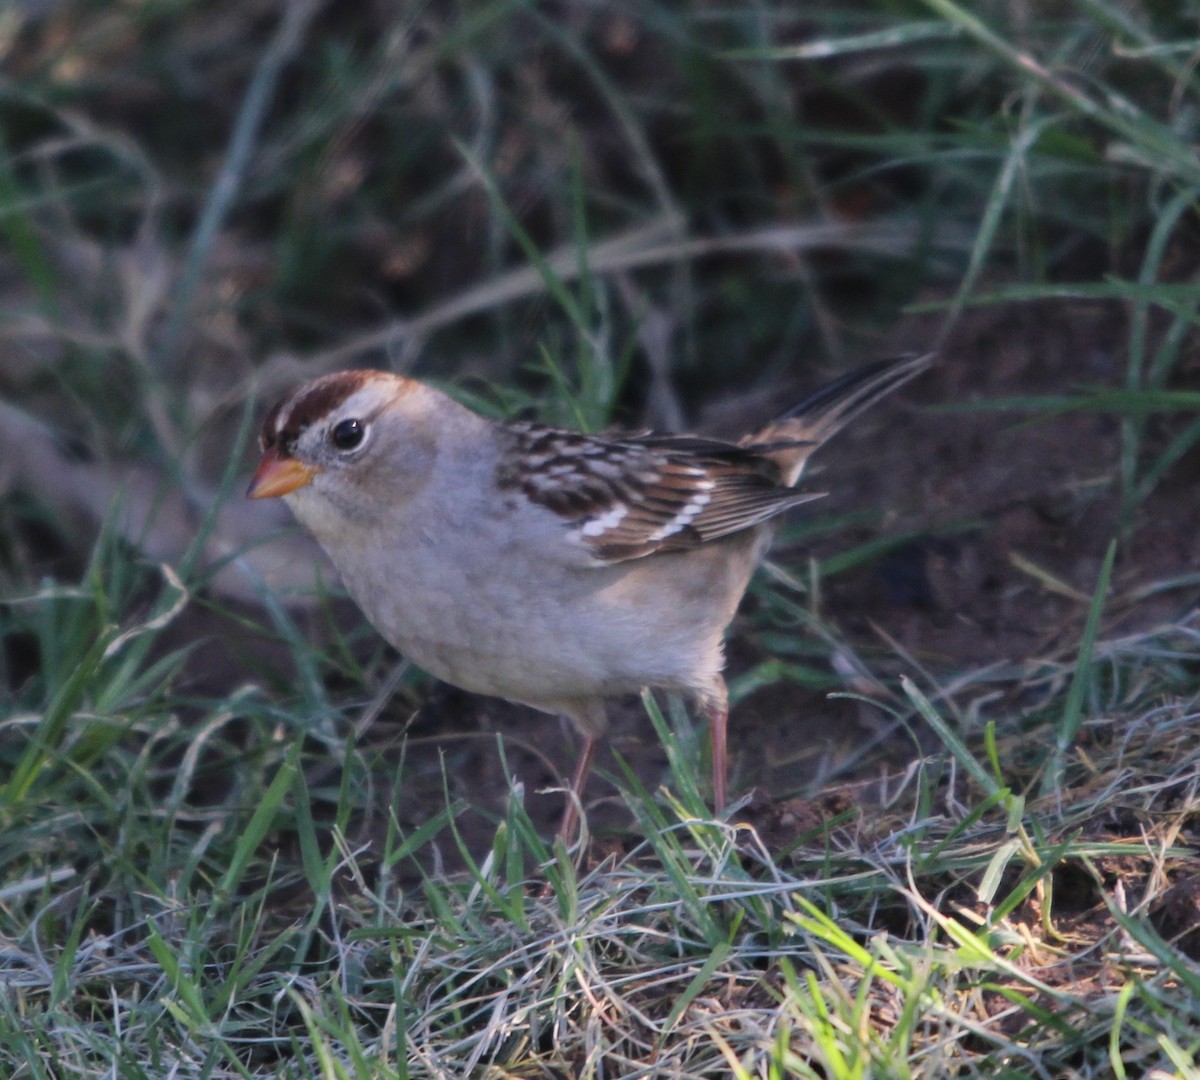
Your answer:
<point x="278" y="475"/>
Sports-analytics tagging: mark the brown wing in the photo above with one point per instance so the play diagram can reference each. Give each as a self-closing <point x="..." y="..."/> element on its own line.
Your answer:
<point x="629" y="497"/>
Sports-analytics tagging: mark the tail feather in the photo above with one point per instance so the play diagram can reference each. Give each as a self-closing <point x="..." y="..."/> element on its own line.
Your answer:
<point x="790" y="440"/>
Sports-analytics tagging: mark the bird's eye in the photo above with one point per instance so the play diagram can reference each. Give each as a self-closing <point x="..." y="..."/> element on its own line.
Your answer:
<point x="348" y="434"/>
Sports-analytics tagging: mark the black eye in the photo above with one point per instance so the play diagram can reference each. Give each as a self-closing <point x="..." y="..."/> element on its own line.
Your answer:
<point x="348" y="434"/>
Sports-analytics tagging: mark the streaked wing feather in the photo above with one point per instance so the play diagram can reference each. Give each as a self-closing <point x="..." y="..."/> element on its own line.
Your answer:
<point x="636" y="495"/>
<point x="632" y="495"/>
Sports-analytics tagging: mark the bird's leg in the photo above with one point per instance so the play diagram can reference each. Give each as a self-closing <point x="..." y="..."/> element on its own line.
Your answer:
<point x="570" y="818"/>
<point x="716" y="708"/>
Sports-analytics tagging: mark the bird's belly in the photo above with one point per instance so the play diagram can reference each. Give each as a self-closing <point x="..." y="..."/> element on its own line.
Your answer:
<point x="523" y="638"/>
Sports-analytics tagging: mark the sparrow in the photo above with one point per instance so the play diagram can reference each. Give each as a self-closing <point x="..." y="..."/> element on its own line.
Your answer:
<point x="545" y="566"/>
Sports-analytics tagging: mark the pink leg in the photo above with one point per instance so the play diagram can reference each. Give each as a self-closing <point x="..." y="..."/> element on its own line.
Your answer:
<point x="570" y="818"/>
<point x="718" y="720"/>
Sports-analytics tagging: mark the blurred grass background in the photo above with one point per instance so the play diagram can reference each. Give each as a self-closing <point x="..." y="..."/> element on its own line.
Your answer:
<point x="218" y="854"/>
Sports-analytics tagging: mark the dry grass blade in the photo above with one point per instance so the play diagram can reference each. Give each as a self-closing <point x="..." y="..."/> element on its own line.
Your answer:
<point x="641" y="247"/>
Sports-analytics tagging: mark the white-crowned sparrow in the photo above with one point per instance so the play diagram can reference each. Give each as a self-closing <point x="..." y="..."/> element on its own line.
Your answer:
<point x="539" y="565"/>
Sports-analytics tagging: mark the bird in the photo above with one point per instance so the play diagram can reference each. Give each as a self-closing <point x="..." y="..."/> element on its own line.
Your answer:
<point x="546" y="566"/>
